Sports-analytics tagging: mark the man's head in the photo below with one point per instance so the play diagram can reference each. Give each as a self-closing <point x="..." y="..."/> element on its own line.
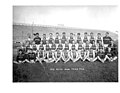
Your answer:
<point x="71" y="34"/>
<point x="99" y="34"/>
<point x="107" y="34"/>
<point x="37" y="34"/>
<point x="51" y="35"/>
<point x="63" y="33"/>
<point x="20" y="51"/>
<point x="85" y="34"/>
<point x="78" y="34"/>
<point x="44" y="35"/>
<point x="57" y="34"/>
<point x="91" y="34"/>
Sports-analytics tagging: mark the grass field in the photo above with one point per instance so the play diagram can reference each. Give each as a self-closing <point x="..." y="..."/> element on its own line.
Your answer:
<point x="69" y="72"/>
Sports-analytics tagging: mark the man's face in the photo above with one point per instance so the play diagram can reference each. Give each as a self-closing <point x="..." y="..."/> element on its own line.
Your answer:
<point x="51" y="35"/>
<point x="37" y="35"/>
<point x="64" y="34"/>
<point x="71" y="35"/>
<point x="107" y="34"/>
<point x="20" y="52"/>
<point x="57" y="34"/>
<point x="85" y="35"/>
<point x="44" y="35"/>
<point x="91" y="34"/>
<point x="99" y="35"/>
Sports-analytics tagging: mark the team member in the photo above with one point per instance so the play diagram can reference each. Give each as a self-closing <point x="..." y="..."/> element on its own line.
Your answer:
<point x="64" y="38"/>
<point x="66" y="47"/>
<point x="27" y="46"/>
<point x="30" y="56"/>
<point x="83" y="55"/>
<point x="106" y="39"/>
<point x="85" y="39"/>
<point x="109" y="54"/>
<point x="73" y="47"/>
<point x="94" y="47"/>
<point x="71" y="38"/>
<point x="80" y="46"/>
<point x="53" y="47"/>
<point x="57" y="38"/>
<point x="41" y="47"/>
<point x="50" y="57"/>
<point x="92" y="38"/>
<point x="44" y="39"/>
<point x="101" y="56"/>
<point x="74" y="55"/>
<point x="87" y="46"/>
<point x="51" y="38"/>
<point x="34" y="47"/>
<point x="47" y="48"/>
<point x="60" y="46"/>
<point x="91" y="55"/>
<point x="99" y="38"/>
<point x="29" y="39"/>
<point x="65" y="56"/>
<point x="78" y="38"/>
<point x="20" y="57"/>
<point x="41" y="56"/>
<point x="58" y="55"/>
<point x="100" y="46"/>
<point x="37" y="40"/>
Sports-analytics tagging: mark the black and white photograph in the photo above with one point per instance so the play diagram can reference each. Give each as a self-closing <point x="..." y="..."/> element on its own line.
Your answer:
<point x="65" y="43"/>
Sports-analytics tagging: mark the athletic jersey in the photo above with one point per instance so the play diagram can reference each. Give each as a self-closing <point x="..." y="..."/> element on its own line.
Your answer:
<point x="20" y="57"/>
<point x="82" y="53"/>
<point x="85" y="39"/>
<point x="101" y="46"/>
<point x="53" y="47"/>
<point x="66" y="47"/>
<point x="37" y="40"/>
<point x="56" y="40"/>
<point x="79" y="39"/>
<point x="101" y="55"/>
<point x="41" y="54"/>
<point x="87" y="47"/>
<point x="60" y="47"/>
<point x="47" y="47"/>
<point x="80" y="46"/>
<point x="50" y="54"/>
<point x="93" y="47"/>
<point x="71" y="40"/>
<point x="99" y="39"/>
<point x="41" y="47"/>
<point x="91" y="40"/>
<point x="73" y="47"/>
<point x="91" y="54"/>
<point x="31" y="56"/>
<point x="51" y="40"/>
<point x="34" y="47"/>
<point x="63" y="39"/>
<point x="58" y="54"/>
<point x="44" y="41"/>
<point x="107" y="40"/>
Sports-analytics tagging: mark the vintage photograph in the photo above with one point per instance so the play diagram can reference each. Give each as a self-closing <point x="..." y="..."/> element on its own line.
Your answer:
<point x="65" y="43"/>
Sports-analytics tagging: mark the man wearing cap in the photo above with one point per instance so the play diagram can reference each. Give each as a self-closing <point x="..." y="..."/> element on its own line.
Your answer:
<point x="106" y="39"/>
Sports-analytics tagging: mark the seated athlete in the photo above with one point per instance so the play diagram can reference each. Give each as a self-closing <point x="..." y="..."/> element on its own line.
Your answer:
<point x="101" y="55"/>
<point x="83" y="55"/>
<point x="94" y="47"/>
<point x="92" y="38"/>
<point x="41" y="56"/>
<point x="41" y="46"/>
<point x="65" y="56"/>
<point x="30" y="56"/>
<point x="58" y="55"/>
<point x="57" y="38"/>
<point x="20" y="57"/>
<point x="44" y="39"/>
<point x="91" y="55"/>
<point x="80" y="46"/>
<point x="78" y="38"/>
<point x="73" y="47"/>
<point x="53" y="46"/>
<point x="85" y="37"/>
<point x="110" y="55"/>
<point x="34" y="47"/>
<point x="64" y="38"/>
<point x="66" y="47"/>
<point x="100" y="46"/>
<point x="60" y="46"/>
<point x="71" y="39"/>
<point x="50" y="57"/>
<point x="74" y="55"/>
<point x="87" y="46"/>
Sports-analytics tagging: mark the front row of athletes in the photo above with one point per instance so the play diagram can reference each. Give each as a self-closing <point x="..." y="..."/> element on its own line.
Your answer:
<point x="54" y="54"/>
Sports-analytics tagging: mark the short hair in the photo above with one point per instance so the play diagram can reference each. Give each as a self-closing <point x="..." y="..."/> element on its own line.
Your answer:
<point x="78" y="33"/>
<point x="37" y="33"/>
<point x="63" y="33"/>
<point x="50" y="33"/>
<point x="57" y="33"/>
<point x="71" y="33"/>
<point x="85" y="33"/>
<point x="20" y="50"/>
<point x="44" y="34"/>
<point x="91" y="33"/>
<point x="107" y="32"/>
<point x="99" y="33"/>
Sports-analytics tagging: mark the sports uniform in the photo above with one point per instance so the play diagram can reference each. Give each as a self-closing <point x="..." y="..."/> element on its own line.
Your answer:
<point x="66" y="47"/>
<point x="56" y="40"/>
<point x="71" y="40"/>
<point x="60" y="47"/>
<point x="85" y="39"/>
<point x="53" y="47"/>
<point x="92" y="39"/>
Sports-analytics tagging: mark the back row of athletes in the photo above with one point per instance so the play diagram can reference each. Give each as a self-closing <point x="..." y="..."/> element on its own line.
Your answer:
<point x="53" y="50"/>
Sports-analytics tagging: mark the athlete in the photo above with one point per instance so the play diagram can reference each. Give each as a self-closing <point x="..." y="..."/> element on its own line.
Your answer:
<point x="92" y="38"/>
<point x="91" y="55"/>
<point x="53" y="46"/>
<point x="85" y="39"/>
<point x="64" y="38"/>
<point x="41" y="56"/>
<point x="80" y="46"/>
<point x="78" y="38"/>
<point x="106" y="39"/>
<point x="20" y="57"/>
<point x="101" y="56"/>
<point x="41" y="47"/>
<point x="37" y="40"/>
<point x="83" y="55"/>
<point x="99" y="38"/>
<point x="100" y="46"/>
<point x="34" y="47"/>
<point x="58" y="55"/>
<point x="94" y="47"/>
<point x="87" y="46"/>
<point x="57" y="38"/>
<point x="71" y="39"/>
<point x="60" y="46"/>
<point x="51" y="38"/>
<point x="66" y="47"/>
<point x="44" y="39"/>
<point x="65" y="56"/>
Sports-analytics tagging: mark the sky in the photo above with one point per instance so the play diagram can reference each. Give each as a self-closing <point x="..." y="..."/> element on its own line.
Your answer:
<point x="88" y="17"/>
